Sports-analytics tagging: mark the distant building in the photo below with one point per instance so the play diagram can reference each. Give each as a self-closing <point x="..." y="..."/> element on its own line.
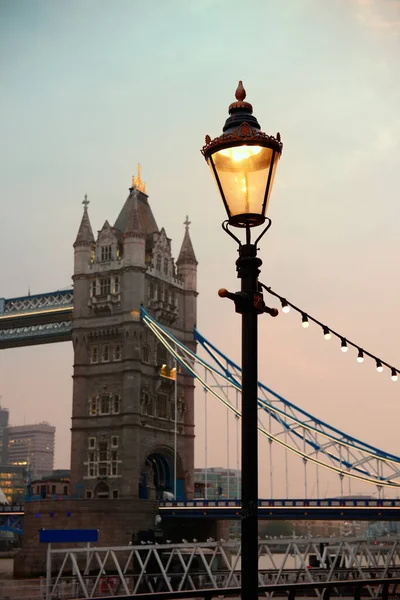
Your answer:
<point x="55" y="485"/>
<point x="217" y="483"/>
<point x="13" y="483"/>
<point x="3" y="435"/>
<point x="32" y="447"/>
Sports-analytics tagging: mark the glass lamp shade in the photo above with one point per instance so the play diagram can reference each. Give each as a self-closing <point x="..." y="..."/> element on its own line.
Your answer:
<point x="244" y="175"/>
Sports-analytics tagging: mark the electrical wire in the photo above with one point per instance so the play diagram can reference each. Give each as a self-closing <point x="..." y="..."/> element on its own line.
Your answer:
<point x="328" y="332"/>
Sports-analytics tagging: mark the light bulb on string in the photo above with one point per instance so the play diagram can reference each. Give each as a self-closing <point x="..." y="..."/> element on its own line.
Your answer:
<point x="285" y="305"/>
<point x="394" y="376"/>
<point x="304" y="321"/>
<point x="379" y="366"/>
<point x="327" y="333"/>
<point x="360" y="357"/>
<point x="343" y="345"/>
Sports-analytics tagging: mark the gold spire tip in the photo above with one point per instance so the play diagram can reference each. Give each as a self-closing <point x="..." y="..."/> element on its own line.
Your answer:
<point x="137" y="181"/>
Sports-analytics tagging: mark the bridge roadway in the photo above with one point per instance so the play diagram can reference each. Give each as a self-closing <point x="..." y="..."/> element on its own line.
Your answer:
<point x="335" y="509"/>
<point x="38" y="319"/>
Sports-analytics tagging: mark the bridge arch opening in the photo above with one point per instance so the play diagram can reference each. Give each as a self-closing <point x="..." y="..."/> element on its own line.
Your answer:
<point x="102" y="490"/>
<point x="157" y="476"/>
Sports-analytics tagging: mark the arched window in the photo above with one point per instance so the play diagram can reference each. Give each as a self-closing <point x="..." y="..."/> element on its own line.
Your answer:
<point x="102" y="490"/>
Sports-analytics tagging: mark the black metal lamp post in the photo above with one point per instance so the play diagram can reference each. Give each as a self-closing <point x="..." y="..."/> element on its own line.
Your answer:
<point x="243" y="161"/>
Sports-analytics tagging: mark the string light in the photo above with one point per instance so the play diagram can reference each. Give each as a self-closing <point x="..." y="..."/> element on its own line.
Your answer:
<point x="328" y="333"/>
<point x="285" y="306"/>
<point x="304" y="321"/>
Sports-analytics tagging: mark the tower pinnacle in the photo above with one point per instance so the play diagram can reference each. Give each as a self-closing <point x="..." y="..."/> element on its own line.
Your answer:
<point x="85" y="235"/>
<point x="137" y="181"/>
<point x="186" y="255"/>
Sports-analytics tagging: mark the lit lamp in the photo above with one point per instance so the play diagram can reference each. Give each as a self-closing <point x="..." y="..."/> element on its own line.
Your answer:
<point x="243" y="161"/>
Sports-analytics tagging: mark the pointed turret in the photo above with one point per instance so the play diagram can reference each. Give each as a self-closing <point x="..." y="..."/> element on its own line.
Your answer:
<point x="187" y="255"/>
<point x="84" y="243"/>
<point x="134" y="227"/>
<point x="134" y="235"/>
<point x="85" y="235"/>
<point x="187" y="263"/>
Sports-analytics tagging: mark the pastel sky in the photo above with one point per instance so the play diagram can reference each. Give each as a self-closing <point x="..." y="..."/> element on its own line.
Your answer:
<point x="90" y="88"/>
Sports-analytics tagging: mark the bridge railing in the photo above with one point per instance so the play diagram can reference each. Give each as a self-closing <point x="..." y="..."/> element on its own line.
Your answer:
<point x="334" y="503"/>
<point x="381" y="588"/>
<point x="36" y="302"/>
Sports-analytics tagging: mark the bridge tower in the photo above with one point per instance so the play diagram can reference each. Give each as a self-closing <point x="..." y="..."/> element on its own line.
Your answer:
<point x="123" y="413"/>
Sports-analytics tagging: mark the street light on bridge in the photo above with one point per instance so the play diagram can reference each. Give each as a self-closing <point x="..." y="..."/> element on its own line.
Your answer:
<point x="243" y="161"/>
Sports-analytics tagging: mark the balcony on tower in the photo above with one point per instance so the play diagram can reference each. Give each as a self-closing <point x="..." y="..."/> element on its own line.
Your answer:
<point x="105" y="294"/>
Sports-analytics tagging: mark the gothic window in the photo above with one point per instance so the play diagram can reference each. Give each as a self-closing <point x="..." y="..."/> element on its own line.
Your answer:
<point x="172" y="410"/>
<point x="114" y="442"/>
<point x="181" y="409"/>
<point x="105" y="404"/>
<point x="117" y="352"/>
<point x="165" y="266"/>
<point x="105" y="353"/>
<point x="116" y="404"/>
<point x="116" y="284"/>
<point x="92" y="464"/>
<point x="146" y="354"/>
<point x="92" y="442"/>
<point x="105" y="286"/>
<point x="103" y="459"/>
<point x="93" y="406"/>
<point x="93" y="286"/>
<point x="162" y="406"/>
<point x="161" y="354"/>
<point x="105" y="253"/>
<point x="94" y="354"/>
<point x="158" y="263"/>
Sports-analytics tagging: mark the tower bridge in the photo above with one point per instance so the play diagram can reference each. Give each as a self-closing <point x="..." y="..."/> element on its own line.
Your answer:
<point x="131" y="317"/>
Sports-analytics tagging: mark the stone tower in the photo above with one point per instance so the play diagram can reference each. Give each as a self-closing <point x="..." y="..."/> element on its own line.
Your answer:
<point x="123" y="408"/>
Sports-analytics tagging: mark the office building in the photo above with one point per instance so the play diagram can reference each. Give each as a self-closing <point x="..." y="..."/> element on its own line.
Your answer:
<point x="217" y="483"/>
<point x="32" y="447"/>
<point x="3" y="435"/>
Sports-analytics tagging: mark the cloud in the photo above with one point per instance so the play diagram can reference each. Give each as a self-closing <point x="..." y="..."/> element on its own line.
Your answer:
<point x="380" y="15"/>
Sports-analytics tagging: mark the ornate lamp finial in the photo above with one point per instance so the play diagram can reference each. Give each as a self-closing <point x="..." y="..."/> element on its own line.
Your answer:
<point x="240" y="93"/>
<point x="240" y="104"/>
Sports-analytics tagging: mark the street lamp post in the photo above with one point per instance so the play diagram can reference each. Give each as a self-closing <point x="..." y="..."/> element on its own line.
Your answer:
<point x="243" y="161"/>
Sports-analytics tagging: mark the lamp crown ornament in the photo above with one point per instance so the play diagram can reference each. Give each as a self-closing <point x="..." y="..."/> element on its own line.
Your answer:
<point x="243" y="161"/>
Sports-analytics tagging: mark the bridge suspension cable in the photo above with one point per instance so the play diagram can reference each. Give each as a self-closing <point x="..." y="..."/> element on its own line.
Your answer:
<point x="289" y="426"/>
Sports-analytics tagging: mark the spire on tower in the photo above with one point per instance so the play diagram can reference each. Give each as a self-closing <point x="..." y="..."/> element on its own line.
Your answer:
<point x="186" y="255"/>
<point x="134" y="227"/>
<point x="137" y="181"/>
<point x="85" y="234"/>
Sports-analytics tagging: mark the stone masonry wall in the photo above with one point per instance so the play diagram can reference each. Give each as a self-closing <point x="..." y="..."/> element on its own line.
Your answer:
<point x="117" y="520"/>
